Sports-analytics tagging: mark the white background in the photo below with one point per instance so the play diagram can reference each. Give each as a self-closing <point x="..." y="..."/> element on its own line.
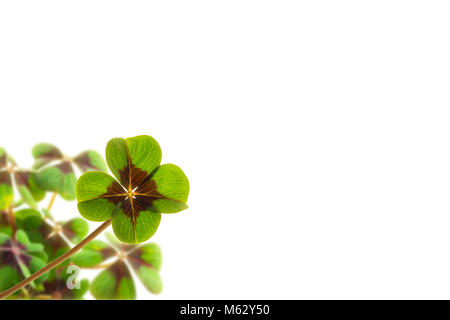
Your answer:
<point x="315" y="134"/>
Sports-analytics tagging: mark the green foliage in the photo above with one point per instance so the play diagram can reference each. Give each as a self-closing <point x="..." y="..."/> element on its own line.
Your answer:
<point x="57" y="237"/>
<point x="116" y="281"/>
<point x="93" y="254"/>
<point x="143" y="190"/>
<point x="19" y="258"/>
<point x="25" y="181"/>
<point x="146" y="261"/>
<point x="56" y="171"/>
<point x="134" y="197"/>
<point x="59" y="178"/>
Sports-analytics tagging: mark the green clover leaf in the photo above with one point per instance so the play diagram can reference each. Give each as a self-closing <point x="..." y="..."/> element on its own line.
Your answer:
<point x="116" y="281"/>
<point x="56" y="172"/>
<point x="25" y="182"/>
<point x="146" y="261"/>
<point x="143" y="190"/>
<point x="93" y="254"/>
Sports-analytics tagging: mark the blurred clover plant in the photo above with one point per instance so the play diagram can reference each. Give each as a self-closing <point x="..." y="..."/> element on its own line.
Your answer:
<point x="116" y="282"/>
<point x="39" y="254"/>
<point x="25" y="182"/>
<point x="56" y="171"/>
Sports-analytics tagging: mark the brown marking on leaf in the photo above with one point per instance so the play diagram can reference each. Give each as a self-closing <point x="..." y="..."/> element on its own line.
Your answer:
<point x="84" y="162"/>
<point x="145" y="192"/>
<point x="67" y="230"/>
<point x="142" y="198"/>
<point x="138" y="195"/>
<point x="114" y="190"/>
<point x="45" y="229"/>
<point x="134" y="258"/>
<point x="13" y="252"/>
<point x="68" y="233"/>
<point x="21" y="177"/>
<point x="65" y="167"/>
<point x="49" y="156"/>
<point x="4" y="219"/>
<point x="52" y="242"/>
<point x="57" y="242"/>
<point x="120" y="270"/>
<point x="132" y="176"/>
<point x="6" y="254"/>
<point x="3" y="160"/>
<point x="5" y="177"/>
<point x="52" y="154"/>
<point x="107" y="253"/>
<point x="58" y="289"/>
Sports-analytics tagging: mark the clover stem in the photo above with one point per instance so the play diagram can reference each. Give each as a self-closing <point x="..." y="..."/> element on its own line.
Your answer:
<point x="12" y="220"/>
<point x="52" y="200"/>
<point x="57" y="261"/>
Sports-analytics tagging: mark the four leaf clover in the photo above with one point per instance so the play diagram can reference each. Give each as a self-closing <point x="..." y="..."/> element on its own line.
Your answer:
<point x="116" y="282"/>
<point x="133" y="197"/>
<point x="143" y="190"/>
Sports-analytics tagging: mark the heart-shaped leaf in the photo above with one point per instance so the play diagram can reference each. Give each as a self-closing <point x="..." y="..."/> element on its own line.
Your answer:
<point x="173" y="187"/>
<point x="93" y="254"/>
<point x="146" y="261"/>
<point x="59" y="178"/>
<point x="27" y="187"/>
<point x="93" y="202"/>
<point x="44" y="153"/>
<point x="56" y="170"/>
<point x="114" y="283"/>
<point x="132" y="160"/>
<point x="90" y="161"/>
<point x="75" y="229"/>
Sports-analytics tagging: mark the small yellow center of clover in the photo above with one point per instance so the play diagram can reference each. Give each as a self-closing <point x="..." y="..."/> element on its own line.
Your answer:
<point x="131" y="193"/>
<point x="121" y="255"/>
<point x="57" y="228"/>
